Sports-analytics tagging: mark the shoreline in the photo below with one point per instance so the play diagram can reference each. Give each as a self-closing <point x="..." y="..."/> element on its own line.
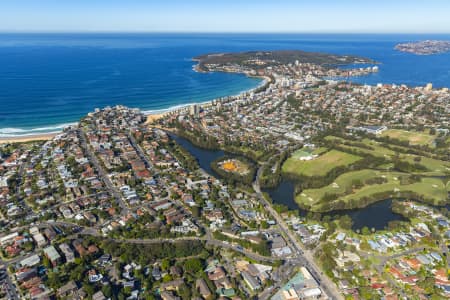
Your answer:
<point x="155" y="115"/>
<point x="29" y="138"/>
<point x="152" y="115"/>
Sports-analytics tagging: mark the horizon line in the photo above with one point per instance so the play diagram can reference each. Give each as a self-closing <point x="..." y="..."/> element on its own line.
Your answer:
<point x="213" y="32"/>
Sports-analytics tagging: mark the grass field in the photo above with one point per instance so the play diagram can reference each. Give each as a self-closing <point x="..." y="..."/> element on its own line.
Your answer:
<point x="378" y="149"/>
<point x="432" y="189"/>
<point x="338" y="186"/>
<point x="319" y="166"/>
<point x="435" y="167"/>
<point x="300" y="154"/>
<point x="414" y="137"/>
<point x="304" y="152"/>
<point x="433" y="186"/>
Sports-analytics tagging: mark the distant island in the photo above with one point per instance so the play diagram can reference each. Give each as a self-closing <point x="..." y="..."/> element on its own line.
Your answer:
<point x="427" y="47"/>
<point x="261" y="59"/>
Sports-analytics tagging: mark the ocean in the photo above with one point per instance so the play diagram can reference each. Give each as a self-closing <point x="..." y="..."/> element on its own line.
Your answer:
<point x="50" y="80"/>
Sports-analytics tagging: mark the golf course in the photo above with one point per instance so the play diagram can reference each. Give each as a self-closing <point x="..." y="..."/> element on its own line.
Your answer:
<point x="357" y="172"/>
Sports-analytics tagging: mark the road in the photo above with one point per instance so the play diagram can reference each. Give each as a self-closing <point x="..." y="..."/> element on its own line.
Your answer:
<point x="208" y="238"/>
<point x="304" y="257"/>
<point x="139" y="151"/>
<point x="27" y="211"/>
<point x="384" y="259"/>
<point x="102" y="173"/>
<point x="6" y="282"/>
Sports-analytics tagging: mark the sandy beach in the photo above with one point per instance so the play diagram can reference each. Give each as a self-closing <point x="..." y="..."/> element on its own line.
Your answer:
<point x="28" y="138"/>
<point x="151" y="118"/>
<point x="47" y="136"/>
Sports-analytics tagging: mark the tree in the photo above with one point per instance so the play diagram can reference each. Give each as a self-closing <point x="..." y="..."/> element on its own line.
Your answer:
<point x="165" y="264"/>
<point x="46" y="262"/>
<point x="149" y="297"/>
<point x="364" y="245"/>
<point x="88" y="288"/>
<point x="185" y="292"/>
<point x="365" y="230"/>
<point x="107" y="291"/>
<point x="54" y="280"/>
<point x="77" y="273"/>
<point x="346" y="222"/>
<point x="264" y="224"/>
<point x="196" y="211"/>
<point x="193" y="265"/>
<point x="427" y="284"/>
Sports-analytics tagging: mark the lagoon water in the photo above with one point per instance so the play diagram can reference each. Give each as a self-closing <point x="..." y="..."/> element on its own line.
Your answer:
<point x="48" y="80"/>
<point x="376" y="215"/>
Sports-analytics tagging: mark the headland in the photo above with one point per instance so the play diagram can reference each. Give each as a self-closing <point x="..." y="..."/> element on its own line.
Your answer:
<point x="428" y="47"/>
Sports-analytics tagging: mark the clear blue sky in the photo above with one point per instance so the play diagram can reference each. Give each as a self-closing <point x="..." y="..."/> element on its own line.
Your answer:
<point x="398" y="16"/>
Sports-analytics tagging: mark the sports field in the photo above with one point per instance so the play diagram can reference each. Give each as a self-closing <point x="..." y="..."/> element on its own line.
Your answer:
<point x="319" y="166"/>
<point x="305" y="152"/>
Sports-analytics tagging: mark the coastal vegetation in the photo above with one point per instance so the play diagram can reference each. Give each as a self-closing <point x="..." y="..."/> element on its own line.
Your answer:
<point x="254" y="153"/>
<point x="254" y="58"/>
<point x="145" y="254"/>
<point x="271" y="174"/>
<point x="183" y="156"/>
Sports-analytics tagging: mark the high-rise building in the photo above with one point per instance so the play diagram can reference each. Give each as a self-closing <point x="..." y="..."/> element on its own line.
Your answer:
<point x="194" y="110"/>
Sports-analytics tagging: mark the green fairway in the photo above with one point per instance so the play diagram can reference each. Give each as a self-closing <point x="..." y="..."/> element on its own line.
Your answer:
<point x="319" y="166"/>
<point x="431" y="189"/>
<point x="369" y="146"/>
<point x="339" y="186"/>
<point x="413" y="137"/>
<point x="434" y="166"/>
<point x="363" y="186"/>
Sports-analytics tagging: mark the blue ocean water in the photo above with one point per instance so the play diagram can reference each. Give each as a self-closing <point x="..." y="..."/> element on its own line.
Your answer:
<point x="48" y="80"/>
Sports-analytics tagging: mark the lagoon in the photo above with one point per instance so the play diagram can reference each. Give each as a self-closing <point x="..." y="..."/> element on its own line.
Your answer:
<point x="376" y="215"/>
